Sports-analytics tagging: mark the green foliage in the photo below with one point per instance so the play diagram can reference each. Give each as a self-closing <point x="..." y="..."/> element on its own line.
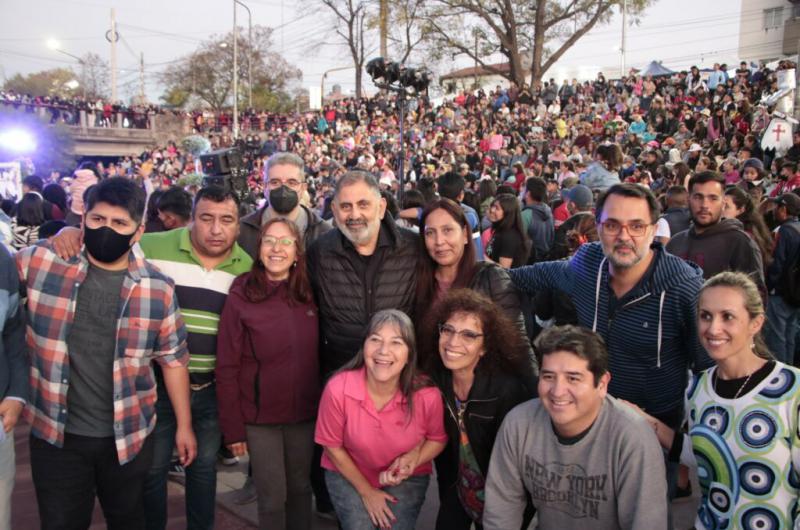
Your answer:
<point x="207" y="73"/>
<point x="51" y="82"/>
<point x="190" y="179"/>
<point x="196" y="144"/>
<point x="54" y="144"/>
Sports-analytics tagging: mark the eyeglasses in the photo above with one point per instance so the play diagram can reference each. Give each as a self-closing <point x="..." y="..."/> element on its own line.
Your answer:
<point x="271" y="241"/>
<point x="292" y="183"/>
<point x="614" y="228"/>
<point x="467" y="337"/>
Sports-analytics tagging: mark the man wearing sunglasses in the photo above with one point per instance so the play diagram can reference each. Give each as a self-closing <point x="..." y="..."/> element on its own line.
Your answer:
<point x="638" y="297"/>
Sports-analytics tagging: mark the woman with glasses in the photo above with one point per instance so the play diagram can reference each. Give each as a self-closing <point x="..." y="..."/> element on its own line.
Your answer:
<point x="268" y="375"/>
<point x="482" y="368"/>
<point x="380" y="424"/>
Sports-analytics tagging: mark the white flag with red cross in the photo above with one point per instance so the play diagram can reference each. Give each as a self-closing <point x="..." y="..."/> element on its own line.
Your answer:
<point x="778" y="136"/>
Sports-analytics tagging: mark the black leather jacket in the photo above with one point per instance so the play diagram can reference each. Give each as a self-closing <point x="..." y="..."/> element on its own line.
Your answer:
<point x="492" y="396"/>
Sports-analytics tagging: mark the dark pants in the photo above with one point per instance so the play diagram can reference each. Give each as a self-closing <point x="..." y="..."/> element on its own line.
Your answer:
<point x="68" y="478"/>
<point x="318" y="485"/>
<point x="451" y="514"/>
<point x="280" y="456"/>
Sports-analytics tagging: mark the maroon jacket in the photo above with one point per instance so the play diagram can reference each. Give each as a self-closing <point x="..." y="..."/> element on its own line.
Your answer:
<point x="267" y="361"/>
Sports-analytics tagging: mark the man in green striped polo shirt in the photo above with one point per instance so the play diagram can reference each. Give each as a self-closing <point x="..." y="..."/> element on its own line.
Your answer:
<point x="203" y="259"/>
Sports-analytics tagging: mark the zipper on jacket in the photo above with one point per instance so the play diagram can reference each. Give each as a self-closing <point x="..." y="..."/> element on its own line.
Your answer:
<point x="257" y="378"/>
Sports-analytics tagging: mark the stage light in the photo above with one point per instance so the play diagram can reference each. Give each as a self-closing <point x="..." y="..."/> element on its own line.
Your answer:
<point x="18" y="141"/>
<point x="376" y="68"/>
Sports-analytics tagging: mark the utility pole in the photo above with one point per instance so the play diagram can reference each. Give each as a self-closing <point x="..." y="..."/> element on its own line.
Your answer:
<point x="113" y="55"/>
<point x="624" y="6"/>
<point x="384" y="23"/>
<point x="235" y="75"/>
<point x="141" y="78"/>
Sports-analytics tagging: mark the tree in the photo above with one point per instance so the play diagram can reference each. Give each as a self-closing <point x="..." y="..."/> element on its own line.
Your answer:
<point x="95" y="76"/>
<point x="207" y="73"/>
<point x="61" y="82"/>
<point x="531" y="35"/>
<point x="406" y="33"/>
<point x="351" y="18"/>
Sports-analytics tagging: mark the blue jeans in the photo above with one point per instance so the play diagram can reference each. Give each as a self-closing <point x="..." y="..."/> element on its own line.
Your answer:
<point x="410" y="495"/>
<point x="201" y="475"/>
<point x="780" y="329"/>
<point x="7" y="470"/>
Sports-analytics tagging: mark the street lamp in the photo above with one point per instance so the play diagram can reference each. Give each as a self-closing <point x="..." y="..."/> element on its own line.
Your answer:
<point x="236" y="67"/>
<point x="249" y="54"/>
<point x="322" y="81"/>
<point x="54" y="45"/>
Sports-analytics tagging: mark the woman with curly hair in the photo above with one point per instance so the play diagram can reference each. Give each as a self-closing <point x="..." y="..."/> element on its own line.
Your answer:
<point x="480" y="363"/>
<point x="740" y="205"/>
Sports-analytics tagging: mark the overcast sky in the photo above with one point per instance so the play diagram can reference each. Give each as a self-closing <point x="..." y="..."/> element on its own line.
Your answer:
<point x="678" y="32"/>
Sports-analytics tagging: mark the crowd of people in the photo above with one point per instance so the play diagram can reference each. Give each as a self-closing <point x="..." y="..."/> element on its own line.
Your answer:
<point x="524" y="316"/>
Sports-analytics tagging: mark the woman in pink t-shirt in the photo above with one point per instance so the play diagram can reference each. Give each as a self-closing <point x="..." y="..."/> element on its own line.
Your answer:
<point x="380" y="424"/>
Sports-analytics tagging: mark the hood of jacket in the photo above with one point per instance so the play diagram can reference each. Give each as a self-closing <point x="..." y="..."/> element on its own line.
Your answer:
<point x="668" y="272"/>
<point x="540" y="211"/>
<point x="723" y="226"/>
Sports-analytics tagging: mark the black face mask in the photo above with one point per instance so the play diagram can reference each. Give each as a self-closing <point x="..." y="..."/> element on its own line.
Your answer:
<point x="283" y="200"/>
<point x="106" y="244"/>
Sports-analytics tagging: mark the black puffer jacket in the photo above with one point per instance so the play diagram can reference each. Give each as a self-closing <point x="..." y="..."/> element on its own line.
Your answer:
<point x="250" y="230"/>
<point x="350" y="289"/>
<point x="492" y="396"/>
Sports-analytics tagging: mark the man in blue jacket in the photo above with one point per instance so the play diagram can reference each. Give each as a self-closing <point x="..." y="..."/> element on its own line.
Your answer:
<point x="641" y="299"/>
<point x="14" y="370"/>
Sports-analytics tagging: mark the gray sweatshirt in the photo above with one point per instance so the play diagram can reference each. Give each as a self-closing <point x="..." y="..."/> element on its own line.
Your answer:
<point x="613" y="478"/>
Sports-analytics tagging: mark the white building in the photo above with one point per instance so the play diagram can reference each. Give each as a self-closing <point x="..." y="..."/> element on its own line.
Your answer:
<point x="769" y="29"/>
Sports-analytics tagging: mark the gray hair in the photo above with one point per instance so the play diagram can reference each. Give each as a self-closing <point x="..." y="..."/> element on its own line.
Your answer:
<point x="354" y="177"/>
<point x="398" y="319"/>
<point x="285" y="159"/>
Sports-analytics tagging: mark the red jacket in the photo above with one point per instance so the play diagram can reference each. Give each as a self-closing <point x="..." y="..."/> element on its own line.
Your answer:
<point x="267" y="361"/>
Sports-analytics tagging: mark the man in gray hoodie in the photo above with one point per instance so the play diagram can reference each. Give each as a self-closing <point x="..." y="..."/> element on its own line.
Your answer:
<point x="712" y="242"/>
<point x="584" y="457"/>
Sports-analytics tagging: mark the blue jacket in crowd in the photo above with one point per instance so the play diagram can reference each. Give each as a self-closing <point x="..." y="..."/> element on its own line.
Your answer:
<point x="651" y="336"/>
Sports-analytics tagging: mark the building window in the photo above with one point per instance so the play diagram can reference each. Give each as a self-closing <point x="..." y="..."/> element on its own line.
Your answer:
<point x="773" y="18"/>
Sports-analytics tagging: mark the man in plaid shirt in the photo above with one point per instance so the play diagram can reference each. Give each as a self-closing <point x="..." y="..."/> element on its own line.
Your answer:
<point x="95" y="323"/>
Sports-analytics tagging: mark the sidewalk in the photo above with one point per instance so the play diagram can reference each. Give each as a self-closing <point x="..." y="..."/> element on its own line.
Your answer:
<point x="230" y="516"/>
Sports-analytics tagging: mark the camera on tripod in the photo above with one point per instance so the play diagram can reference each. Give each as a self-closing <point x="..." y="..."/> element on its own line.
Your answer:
<point x="224" y="168"/>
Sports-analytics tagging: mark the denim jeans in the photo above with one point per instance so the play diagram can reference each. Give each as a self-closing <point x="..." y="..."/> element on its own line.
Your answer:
<point x="410" y="495"/>
<point x="201" y="475"/>
<point x="780" y="329"/>
<point x="7" y="469"/>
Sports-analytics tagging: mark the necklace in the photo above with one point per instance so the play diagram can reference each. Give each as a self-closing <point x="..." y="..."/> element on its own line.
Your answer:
<point x="746" y="380"/>
<point x="735" y="396"/>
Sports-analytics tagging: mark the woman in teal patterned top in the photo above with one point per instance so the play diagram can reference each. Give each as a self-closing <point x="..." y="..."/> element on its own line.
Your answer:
<point x="742" y="416"/>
